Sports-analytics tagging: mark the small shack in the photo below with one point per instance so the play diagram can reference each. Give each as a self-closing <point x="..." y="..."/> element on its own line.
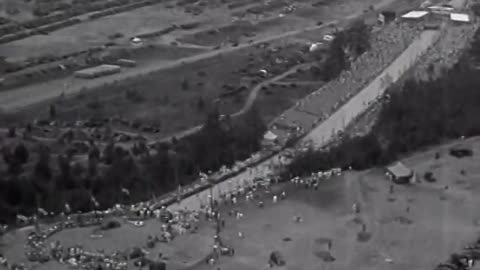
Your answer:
<point x="270" y="139"/>
<point x="415" y="16"/>
<point x="400" y="174"/>
<point x="441" y="10"/>
<point x="459" y="18"/>
<point x="270" y="136"/>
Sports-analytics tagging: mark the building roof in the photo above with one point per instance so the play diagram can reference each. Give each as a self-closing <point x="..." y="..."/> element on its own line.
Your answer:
<point x="100" y="68"/>
<point x="270" y="136"/>
<point x="399" y="170"/>
<point x="459" y="17"/>
<point x="414" y="14"/>
<point x="441" y="8"/>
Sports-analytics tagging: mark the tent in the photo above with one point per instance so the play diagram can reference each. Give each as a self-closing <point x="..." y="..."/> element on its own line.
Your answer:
<point x="399" y="173"/>
<point x="459" y="17"/>
<point x="270" y="136"/>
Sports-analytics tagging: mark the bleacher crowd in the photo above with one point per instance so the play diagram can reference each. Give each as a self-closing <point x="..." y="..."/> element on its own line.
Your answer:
<point x="446" y="51"/>
<point x="387" y="43"/>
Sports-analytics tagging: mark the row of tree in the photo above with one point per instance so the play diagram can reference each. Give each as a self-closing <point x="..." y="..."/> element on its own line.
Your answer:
<point x="345" y="47"/>
<point x="417" y="115"/>
<point x="115" y="175"/>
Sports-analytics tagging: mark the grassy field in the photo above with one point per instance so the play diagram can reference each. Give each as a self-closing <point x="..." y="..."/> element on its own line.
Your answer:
<point x="438" y="223"/>
<point x="96" y="33"/>
<point x="178" y="102"/>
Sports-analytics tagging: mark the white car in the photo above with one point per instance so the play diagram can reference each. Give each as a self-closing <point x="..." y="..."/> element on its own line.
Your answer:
<point x="96" y="236"/>
<point x="138" y="223"/>
<point x="328" y="37"/>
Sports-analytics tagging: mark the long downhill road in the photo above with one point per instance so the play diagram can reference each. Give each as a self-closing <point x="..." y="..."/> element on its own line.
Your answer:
<point x="23" y="97"/>
<point x="325" y="131"/>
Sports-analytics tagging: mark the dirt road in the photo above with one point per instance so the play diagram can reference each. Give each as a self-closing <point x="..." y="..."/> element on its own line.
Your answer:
<point x="323" y="133"/>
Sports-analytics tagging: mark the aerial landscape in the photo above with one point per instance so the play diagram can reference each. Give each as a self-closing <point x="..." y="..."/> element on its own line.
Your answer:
<point x="239" y="134"/>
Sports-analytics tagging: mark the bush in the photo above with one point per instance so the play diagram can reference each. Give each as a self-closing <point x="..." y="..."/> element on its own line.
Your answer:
<point x="110" y="224"/>
<point x="134" y="96"/>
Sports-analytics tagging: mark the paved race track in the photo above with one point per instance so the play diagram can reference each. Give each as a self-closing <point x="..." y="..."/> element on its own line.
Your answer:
<point x="323" y="132"/>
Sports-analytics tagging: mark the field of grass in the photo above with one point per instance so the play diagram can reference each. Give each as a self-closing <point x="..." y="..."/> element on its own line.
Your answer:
<point x="96" y="33"/>
<point x="176" y="102"/>
<point x="437" y="223"/>
<point x="163" y="98"/>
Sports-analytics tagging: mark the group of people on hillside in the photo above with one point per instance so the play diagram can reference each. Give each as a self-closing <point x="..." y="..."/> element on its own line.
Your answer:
<point x="385" y="45"/>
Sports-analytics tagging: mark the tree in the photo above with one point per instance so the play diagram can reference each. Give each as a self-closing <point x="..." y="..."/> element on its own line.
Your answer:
<point x="52" y="111"/>
<point x="185" y="84"/>
<point x="21" y="153"/>
<point x="336" y="60"/>
<point x="109" y="153"/>
<point x="200" y="104"/>
<point x="65" y="177"/>
<point x="14" y="164"/>
<point x="11" y="132"/>
<point x="42" y="169"/>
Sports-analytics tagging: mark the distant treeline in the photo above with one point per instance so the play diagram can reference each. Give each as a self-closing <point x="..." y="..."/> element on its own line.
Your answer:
<point x="115" y="175"/>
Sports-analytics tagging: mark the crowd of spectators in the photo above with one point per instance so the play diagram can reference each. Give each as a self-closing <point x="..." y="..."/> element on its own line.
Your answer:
<point x="387" y="43"/>
<point x="38" y="250"/>
<point x="446" y="51"/>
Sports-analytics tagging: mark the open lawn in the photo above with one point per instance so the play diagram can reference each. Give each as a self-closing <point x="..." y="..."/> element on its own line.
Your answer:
<point x="176" y="102"/>
<point x="96" y="32"/>
<point x="438" y="222"/>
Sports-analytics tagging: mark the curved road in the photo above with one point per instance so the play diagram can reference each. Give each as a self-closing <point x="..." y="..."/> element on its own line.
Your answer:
<point x="324" y="132"/>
